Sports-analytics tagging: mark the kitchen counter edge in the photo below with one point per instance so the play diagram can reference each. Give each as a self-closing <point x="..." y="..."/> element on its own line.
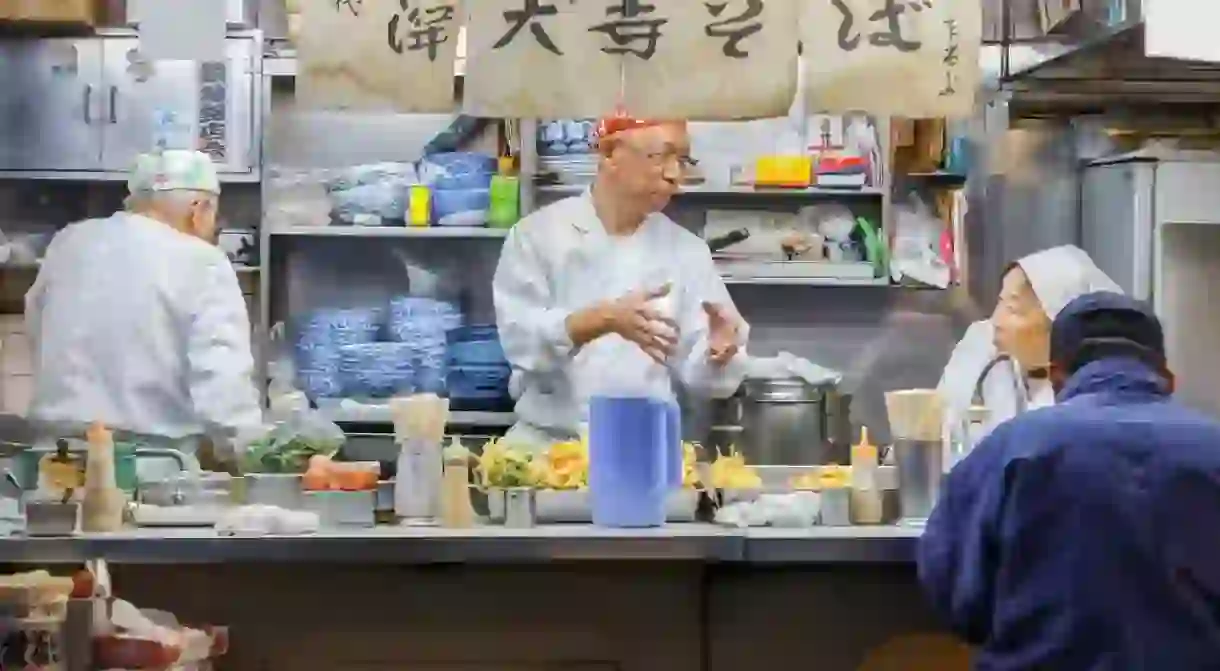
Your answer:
<point x="486" y="545"/>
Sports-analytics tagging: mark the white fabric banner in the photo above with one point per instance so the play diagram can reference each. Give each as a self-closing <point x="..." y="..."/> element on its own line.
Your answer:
<point x="911" y="58"/>
<point x="538" y="59"/>
<point x="385" y="55"/>
<point x="710" y="59"/>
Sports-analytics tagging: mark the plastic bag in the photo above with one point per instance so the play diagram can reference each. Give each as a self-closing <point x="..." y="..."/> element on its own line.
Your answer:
<point x="372" y="173"/>
<point x="387" y="199"/>
<point x="916" y="251"/>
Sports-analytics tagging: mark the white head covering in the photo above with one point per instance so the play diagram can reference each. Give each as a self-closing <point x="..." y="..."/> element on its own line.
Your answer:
<point x="174" y="170"/>
<point x="1062" y="274"/>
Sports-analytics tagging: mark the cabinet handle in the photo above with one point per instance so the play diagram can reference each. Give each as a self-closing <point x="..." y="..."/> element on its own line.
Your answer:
<point x="114" y="96"/>
<point x="88" y="103"/>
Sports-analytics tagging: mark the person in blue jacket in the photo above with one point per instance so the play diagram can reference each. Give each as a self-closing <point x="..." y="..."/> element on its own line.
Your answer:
<point x="1086" y="535"/>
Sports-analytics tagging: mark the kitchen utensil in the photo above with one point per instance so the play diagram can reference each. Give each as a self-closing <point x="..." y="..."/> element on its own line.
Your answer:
<point x="520" y="511"/>
<point x="836" y="507"/>
<point x="51" y="518"/>
<point x="342" y="509"/>
<point x="916" y="423"/>
<point x="419" y="426"/>
<point x="887" y="482"/>
<point x="728" y="239"/>
<point x="788" y="422"/>
<point x="282" y="490"/>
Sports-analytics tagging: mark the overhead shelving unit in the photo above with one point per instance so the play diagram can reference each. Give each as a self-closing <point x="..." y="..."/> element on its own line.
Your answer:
<point x="1106" y="69"/>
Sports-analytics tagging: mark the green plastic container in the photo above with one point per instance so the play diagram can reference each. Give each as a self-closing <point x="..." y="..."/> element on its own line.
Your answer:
<point x="505" y="196"/>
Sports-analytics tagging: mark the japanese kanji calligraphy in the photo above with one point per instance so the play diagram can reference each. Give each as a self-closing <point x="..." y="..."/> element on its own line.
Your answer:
<point x="704" y="59"/>
<point x="735" y="28"/>
<point x="392" y="55"/>
<point x="531" y="14"/>
<point x="352" y="7"/>
<point x="537" y="58"/>
<point x="717" y="59"/>
<point x="633" y="27"/>
<point x="914" y="58"/>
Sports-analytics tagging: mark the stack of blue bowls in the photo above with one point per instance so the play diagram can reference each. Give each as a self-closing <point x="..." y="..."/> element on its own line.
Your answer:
<point x="376" y="369"/>
<point x="321" y="337"/>
<point x="420" y="326"/>
<point x="478" y="370"/>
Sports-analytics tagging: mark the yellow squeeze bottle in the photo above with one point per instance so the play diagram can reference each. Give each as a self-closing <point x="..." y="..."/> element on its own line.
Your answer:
<point x="866" y="505"/>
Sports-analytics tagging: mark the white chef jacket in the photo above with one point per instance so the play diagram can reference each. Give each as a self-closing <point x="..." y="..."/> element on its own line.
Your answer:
<point x="559" y="260"/>
<point x="143" y="328"/>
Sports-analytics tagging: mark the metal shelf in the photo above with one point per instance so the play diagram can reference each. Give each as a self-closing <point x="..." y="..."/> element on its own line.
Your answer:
<point x="390" y="232"/>
<point x="808" y="281"/>
<point x="743" y="191"/>
<point x="358" y="413"/>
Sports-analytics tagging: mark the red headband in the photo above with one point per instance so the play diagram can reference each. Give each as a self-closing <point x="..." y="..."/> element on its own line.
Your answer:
<point x="621" y="121"/>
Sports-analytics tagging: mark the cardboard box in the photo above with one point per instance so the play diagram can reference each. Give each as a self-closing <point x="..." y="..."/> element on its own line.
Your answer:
<point x="83" y="12"/>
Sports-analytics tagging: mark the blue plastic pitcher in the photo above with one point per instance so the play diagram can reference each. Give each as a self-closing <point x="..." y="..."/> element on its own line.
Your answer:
<point x="628" y="473"/>
<point x="673" y="445"/>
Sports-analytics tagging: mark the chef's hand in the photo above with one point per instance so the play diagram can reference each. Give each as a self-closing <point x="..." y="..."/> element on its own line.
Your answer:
<point x="723" y="328"/>
<point x="634" y="319"/>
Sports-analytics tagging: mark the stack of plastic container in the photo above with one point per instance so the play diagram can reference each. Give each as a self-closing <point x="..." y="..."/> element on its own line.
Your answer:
<point x="478" y="370"/>
<point x="461" y="183"/>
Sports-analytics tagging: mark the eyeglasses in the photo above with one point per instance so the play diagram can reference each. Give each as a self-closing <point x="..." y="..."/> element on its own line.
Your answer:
<point x="664" y="158"/>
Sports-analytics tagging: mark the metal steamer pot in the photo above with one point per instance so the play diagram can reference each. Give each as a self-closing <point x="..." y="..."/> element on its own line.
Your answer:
<point x="785" y="422"/>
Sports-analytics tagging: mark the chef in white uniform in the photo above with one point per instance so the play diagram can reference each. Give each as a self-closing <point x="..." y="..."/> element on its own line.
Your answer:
<point x="137" y="320"/>
<point x="601" y="293"/>
<point x="1033" y="292"/>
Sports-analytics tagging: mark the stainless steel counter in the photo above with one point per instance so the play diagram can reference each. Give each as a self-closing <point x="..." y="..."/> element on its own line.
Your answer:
<point x="486" y="545"/>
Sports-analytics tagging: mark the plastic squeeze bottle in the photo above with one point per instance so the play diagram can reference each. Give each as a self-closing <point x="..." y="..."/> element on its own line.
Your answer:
<point x="456" y="511"/>
<point x="103" y="503"/>
<point x="866" y="506"/>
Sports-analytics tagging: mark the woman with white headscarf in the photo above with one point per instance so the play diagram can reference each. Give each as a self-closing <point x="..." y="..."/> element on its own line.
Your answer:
<point x="1033" y="291"/>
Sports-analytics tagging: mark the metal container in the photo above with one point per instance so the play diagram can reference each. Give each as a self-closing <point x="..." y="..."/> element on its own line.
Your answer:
<point x="836" y="507"/>
<point x="789" y="422"/>
<point x="51" y="518"/>
<point x="337" y="510"/>
<point x="920" y="465"/>
<point x="887" y="482"/>
<point x="520" y="508"/>
<point x="417" y="487"/>
<point x="274" y="489"/>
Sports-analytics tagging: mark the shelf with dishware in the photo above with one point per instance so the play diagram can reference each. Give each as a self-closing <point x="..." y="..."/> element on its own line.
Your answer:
<point x="455" y="232"/>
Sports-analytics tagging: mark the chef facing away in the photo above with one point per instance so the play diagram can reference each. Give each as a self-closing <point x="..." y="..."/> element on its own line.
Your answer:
<point x="601" y="293"/>
<point x="137" y="320"/>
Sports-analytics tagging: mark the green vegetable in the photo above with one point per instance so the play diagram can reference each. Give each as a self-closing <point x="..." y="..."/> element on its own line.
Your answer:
<point x="275" y="454"/>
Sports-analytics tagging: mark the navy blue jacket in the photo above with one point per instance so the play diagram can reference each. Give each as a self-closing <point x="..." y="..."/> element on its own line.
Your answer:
<point x="1085" y="536"/>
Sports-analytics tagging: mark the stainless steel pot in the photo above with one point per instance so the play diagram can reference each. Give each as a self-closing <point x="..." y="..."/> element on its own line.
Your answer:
<point x="788" y="422"/>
